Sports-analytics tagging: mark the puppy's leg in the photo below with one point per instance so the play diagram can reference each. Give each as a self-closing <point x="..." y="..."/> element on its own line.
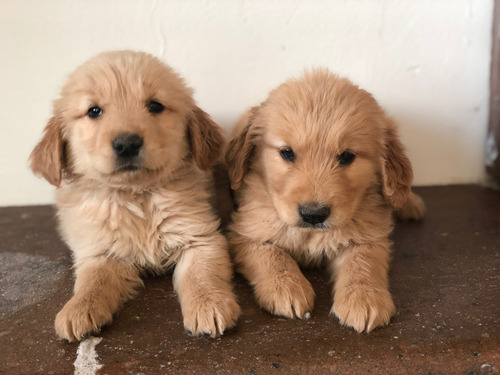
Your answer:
<point x="101" y="286"/>
<point x="202" y="280"/>
<point x="413" y="209"/>
<point x="362" y="299"/>
<point x="279" y="285"/>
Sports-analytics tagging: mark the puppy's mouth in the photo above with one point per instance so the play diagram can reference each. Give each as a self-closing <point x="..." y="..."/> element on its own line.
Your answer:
<point x="131" y="166"/>
<point x="127" y="168"/>
<point x="320" y="226"/>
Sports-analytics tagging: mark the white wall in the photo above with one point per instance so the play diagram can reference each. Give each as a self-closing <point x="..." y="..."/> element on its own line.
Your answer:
<point x="426" y="61"/>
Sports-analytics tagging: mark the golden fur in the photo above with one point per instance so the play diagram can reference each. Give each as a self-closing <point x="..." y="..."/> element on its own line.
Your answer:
<point x="119" y="223"/>
<point x="319" y="116"/>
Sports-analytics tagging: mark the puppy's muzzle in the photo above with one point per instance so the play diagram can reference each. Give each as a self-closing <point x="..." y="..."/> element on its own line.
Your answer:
<point x="127" y="145"/>
<point x="314" y="213"/>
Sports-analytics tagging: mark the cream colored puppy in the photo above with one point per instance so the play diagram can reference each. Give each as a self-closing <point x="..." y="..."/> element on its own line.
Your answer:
<point x="318" y="169"/>
<point x="130" y="154"/>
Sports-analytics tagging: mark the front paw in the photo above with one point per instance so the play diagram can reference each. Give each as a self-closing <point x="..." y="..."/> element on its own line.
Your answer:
<point x="210" y="314"/>
<point x="363" y="309"/>
<point x="288" y="294"/>
<point x="79" y="317"/>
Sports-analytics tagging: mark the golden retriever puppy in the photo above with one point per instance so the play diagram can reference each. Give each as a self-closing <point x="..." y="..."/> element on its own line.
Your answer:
<point x="318" y="170"/>
<point x="130" y="153"/>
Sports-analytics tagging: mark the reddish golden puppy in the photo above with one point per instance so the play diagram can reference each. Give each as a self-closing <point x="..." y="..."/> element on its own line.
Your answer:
<point x="130" y="154"/>
<point x="318" y="170"/>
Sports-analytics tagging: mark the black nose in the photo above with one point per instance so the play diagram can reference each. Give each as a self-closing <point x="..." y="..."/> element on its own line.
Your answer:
<point x="314" y="212"/>
<point x="127" y="145"/>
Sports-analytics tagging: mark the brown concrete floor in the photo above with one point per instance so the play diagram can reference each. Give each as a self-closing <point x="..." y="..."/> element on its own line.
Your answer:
<point x="445" y="280"/>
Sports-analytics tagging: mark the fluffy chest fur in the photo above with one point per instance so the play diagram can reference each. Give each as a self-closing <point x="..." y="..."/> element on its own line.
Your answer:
<point x="149" y="228"/>
<point x="258" y="220"/>
<point x="307" y="246"/>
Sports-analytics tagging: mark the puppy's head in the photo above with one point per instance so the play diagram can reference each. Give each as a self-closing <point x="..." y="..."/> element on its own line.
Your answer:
<point x="124" y="117"/>
<point x="320" y="143"/>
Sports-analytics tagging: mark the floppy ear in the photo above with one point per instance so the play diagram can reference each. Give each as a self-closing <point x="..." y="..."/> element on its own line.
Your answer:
<point x="240" y="149"/>
<point x="206" y="138"/>
<point x="47" y="157"/>
<point x="397" y="173"/>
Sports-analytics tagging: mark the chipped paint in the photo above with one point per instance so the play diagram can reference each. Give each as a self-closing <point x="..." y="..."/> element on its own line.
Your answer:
<point x="86" y="361"/>
<point x="491" y="150"/>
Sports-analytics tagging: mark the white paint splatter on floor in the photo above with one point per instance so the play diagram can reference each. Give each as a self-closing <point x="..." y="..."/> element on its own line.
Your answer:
<point x="86" y="360"/>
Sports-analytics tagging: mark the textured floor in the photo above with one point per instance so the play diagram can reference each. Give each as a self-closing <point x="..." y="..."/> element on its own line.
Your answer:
<point x="445" y="280"/>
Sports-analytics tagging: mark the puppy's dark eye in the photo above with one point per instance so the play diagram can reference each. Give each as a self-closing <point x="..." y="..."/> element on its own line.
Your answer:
<point x="346" y="158"/>
<point x="155" y="107"/>
<point x="287" y="154"/>
<point x="94" y="112"/>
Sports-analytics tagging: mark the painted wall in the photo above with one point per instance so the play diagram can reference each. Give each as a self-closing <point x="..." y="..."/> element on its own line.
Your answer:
<point x="426" y="61"/>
